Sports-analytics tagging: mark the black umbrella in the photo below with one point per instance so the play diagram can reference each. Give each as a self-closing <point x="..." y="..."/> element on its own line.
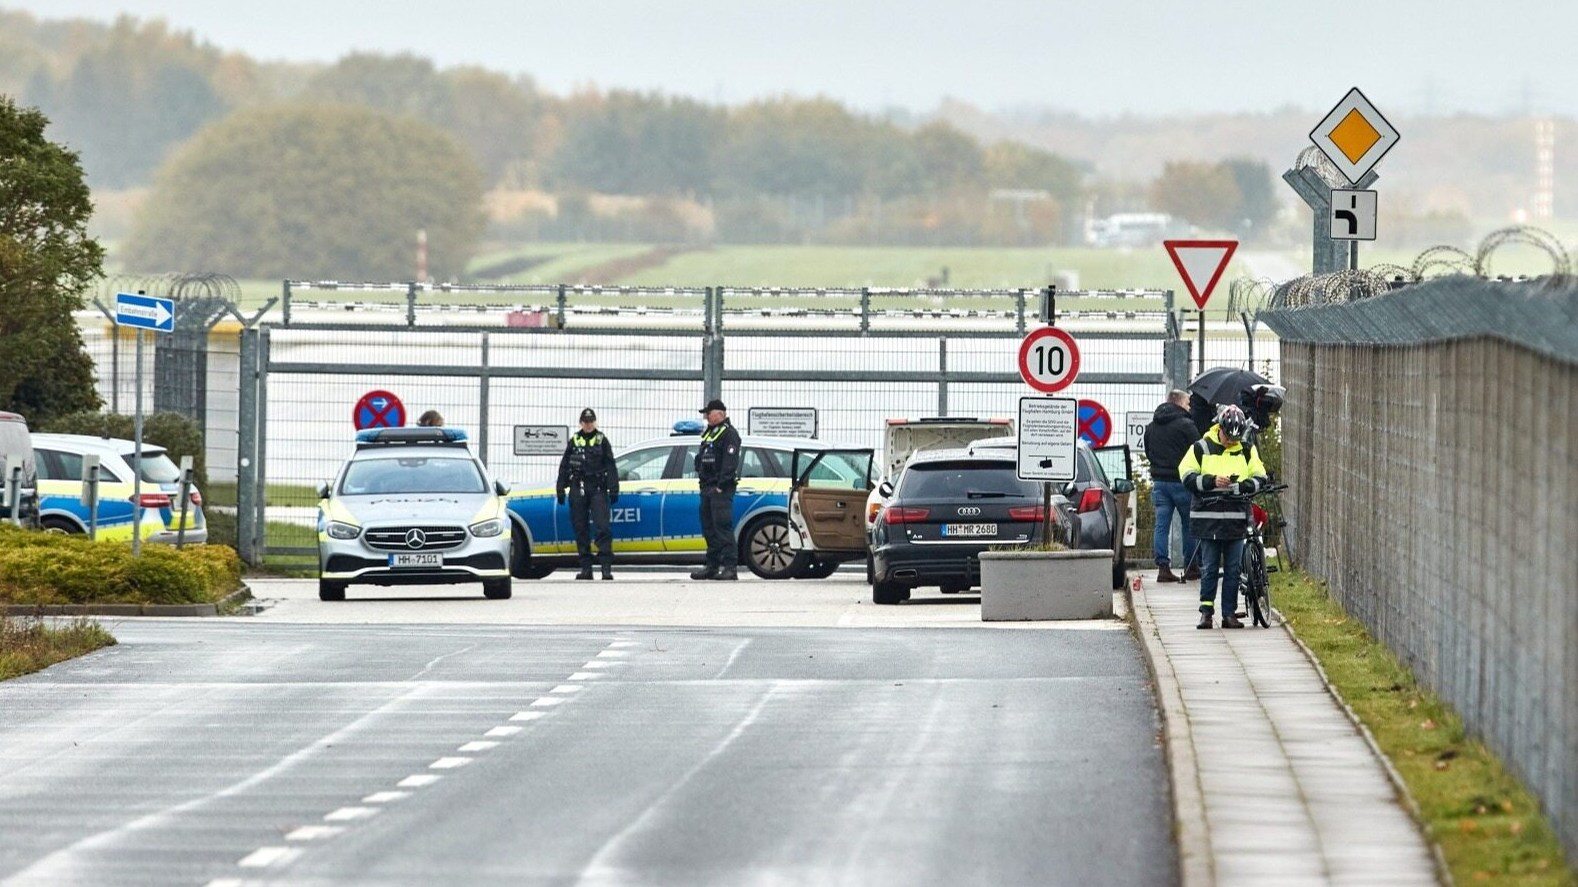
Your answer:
<point x="1224" y="384"/>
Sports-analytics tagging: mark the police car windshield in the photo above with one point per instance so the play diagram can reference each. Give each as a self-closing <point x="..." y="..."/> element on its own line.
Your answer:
<point x="412" y="474"/>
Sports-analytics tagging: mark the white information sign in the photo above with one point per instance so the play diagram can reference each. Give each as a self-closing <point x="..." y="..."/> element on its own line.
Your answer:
<point x="1047" y="433"/>
<point x="781" y="421"/>
<point x="541" y="440"/>
<point x="1353" y="214"/>
<point x="1134" y="423"/>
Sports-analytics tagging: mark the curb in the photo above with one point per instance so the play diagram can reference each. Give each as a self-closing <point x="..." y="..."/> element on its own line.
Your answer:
<point x="229" y="600"/>
<point x="1443" y="872"/>
<point x="1196" y="866"/>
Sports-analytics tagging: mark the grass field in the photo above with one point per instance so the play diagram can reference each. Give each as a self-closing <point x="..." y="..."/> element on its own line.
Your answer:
<point x="28" y="645"/>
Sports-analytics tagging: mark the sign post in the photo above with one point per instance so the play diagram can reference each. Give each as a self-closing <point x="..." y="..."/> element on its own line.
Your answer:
<point x="90" y="492"/>
<point x="141" y="312"/>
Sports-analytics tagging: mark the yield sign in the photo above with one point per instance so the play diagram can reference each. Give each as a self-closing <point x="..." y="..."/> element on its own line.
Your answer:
<point x="1200" y="263"/>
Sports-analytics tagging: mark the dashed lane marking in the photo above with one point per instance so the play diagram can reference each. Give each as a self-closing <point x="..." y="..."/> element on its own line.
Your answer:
<point x="547" y="701"/>
<point x="348" y="814"/>
<point x="418" y="780"/>
<point x="528" y="715"/>
<point x="314" y="832"/>
<point x="478" y="745"/>
<point x="267" y="856"/>
<point x="503" y="731"/>
<point x="448" y="763"/>
<point x="384" y="797"/>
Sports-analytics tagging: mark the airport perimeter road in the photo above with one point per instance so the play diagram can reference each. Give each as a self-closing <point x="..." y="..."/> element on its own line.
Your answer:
<point x="234" y="751"/>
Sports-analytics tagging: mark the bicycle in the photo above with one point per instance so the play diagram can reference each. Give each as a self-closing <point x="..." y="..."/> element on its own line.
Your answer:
<point x="1254" y="576"/>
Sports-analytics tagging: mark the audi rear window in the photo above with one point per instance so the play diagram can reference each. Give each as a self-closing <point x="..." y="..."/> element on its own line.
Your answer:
<point x="972" y="479"/>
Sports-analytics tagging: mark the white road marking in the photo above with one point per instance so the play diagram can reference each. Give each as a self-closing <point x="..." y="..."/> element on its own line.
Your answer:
<point x="478" y="745"/>
<point x="448" y="763"/>
<point x="620" y="644"/>
<point x="418" y="780"/>
<point x="527" y="715"/>
<point x="384" y="797"/>
<point x="266" y="856"/>
<point x="347" y="814"/>
<point x="595" y="664"/>
<point x="612" y="654"/>
<point x="314" y="832"/>
<point x="503" y="731"/>
<point x="565" y="688"/>
<point x="546" y="701"/>
<point x="586" y="675"/>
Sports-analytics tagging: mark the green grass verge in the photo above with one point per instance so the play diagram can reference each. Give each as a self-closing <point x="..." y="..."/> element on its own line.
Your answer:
<point x="29" y="645"/>
<point x="1488" y="825"/>
<point x="224" y="494"/>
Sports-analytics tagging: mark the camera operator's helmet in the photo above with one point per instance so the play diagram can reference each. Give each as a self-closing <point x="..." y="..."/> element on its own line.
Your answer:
<point x="1233" y="421"/>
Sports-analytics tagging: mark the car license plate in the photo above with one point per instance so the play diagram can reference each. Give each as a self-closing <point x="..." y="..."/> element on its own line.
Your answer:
<point x="416" y="560"/>
<point x="969" y="529"/>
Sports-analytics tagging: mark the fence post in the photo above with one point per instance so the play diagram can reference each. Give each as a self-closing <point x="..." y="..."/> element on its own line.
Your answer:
<point x="559" y="305"/>
<point x="865" y="309"/>
<point x="942" y="377"/>
<point x="285" y="304"/>
<point x="260" y="470"/>
<point x="246" y="448"/>
<point x="410" y="304"/>
<point x="1019" y="312"/>
<point x="482" y="404"/>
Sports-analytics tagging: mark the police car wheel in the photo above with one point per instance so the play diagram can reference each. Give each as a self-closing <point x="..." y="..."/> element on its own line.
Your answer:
<point x="765" y="550"/>
<point x="331" y="591"/>
<point x="60" y="526"/>
<point x="496" y="589"/>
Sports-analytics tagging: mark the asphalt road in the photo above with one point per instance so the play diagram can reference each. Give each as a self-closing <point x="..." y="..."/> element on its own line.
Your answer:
<point x="233" y="751"/>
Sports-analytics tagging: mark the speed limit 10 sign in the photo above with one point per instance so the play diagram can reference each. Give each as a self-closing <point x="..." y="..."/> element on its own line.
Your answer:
<point x="1048" y="359"/>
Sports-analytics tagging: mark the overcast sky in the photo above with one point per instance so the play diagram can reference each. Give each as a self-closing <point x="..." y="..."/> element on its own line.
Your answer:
<point x="1103" y="57"/>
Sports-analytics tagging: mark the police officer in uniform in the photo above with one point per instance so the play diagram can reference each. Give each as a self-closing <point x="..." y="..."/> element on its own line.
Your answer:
<point x="718" y="473"/>
<point x="587" y="471"/>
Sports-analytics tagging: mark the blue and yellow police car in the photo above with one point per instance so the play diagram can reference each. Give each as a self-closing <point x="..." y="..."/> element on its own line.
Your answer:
<point x="657" y="519"/>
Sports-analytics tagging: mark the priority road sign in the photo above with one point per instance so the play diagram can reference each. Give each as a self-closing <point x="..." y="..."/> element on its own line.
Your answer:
<point x="1047" y="438"/>
<point x="1095" y="423"/>
<point x="145" y="312"/>
<point x="1200" y="263"/>
<point x="1354" y="136"/>
<point x="378" y="409"/>
<point x="1353" y="214"/>
<point x="1048" y="359"/>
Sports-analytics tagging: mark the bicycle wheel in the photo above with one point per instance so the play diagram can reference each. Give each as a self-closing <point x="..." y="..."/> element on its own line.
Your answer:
<point x="1256" y="583"/>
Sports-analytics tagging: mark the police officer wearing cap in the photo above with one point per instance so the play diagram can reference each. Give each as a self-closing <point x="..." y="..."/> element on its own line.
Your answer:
<point x="588" y="472"/>
<point x="718" y="473"/>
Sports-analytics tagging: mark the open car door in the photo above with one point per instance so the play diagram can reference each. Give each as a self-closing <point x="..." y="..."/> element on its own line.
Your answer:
<point x="827" y="500"/>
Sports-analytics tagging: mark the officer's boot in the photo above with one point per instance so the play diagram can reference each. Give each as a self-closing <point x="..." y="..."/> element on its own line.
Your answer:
<point x="608" y="571"/>
<point x="586" y="572"/>
<point x="705" y="573"/>
<point x="728" y="574"/>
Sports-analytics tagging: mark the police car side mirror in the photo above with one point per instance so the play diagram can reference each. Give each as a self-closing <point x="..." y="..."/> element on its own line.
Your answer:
<point x="501" y="488"/>
<point x="886" y="490"/>
<point x="323" y="491"/>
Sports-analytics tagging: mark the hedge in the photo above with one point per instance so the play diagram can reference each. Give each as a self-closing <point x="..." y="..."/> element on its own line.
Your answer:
<point x="177" y="434"/>
<point x="50" y="568"/>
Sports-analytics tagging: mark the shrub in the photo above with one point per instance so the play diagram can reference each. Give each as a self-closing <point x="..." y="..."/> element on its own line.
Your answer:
<point x="46" y="568"/>
<point x="174" y="432"/>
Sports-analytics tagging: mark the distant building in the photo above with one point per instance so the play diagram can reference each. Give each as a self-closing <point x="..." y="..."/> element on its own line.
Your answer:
<point x="1132" y="229"/>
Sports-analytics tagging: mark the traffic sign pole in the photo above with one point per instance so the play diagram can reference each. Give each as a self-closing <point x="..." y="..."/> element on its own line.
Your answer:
<point x="137" y="457"/>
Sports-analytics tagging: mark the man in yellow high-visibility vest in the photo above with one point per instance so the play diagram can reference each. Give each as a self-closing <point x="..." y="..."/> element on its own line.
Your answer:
<point x="1222" y="472"/>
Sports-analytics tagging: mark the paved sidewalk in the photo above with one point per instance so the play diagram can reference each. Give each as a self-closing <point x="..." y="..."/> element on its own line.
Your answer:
<point x="1272" y="783"/>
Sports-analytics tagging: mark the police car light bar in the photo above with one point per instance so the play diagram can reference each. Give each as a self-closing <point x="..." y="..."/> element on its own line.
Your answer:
<point x="689" y="426"/>
<point x="411" y="436"/>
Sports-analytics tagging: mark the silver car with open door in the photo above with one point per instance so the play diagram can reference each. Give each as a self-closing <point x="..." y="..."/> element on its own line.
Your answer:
<point x="827" y="500"/>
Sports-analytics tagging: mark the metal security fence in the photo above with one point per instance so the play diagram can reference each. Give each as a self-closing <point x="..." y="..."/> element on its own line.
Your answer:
<point x="496" y="358"/>
<point x="1431" y="441"/>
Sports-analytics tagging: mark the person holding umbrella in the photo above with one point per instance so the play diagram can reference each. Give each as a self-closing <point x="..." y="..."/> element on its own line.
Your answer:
<point x="1222" y="471"/>
<point x="1218" y="386"/>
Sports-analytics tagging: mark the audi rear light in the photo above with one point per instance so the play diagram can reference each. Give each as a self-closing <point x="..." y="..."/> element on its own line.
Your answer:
<point x="1090" y="500"/>
<point x="903" y="515"/>
<point x="152" y="500"/>
<point x="1037" y="513"/>
<point x="1258" y="514"/>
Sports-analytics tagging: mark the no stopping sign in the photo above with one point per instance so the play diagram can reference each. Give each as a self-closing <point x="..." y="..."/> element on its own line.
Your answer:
<point x="1048" y="359"/>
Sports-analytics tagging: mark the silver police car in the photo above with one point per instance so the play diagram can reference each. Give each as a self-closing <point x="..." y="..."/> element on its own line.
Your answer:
<point x="413" y="506"/>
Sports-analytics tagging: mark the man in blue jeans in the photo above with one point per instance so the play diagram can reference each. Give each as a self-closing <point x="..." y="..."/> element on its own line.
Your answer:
<point x="1167" y="439"/>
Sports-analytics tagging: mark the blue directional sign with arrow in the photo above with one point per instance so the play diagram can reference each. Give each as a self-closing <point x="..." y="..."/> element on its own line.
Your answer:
<point x="145" y="312"/>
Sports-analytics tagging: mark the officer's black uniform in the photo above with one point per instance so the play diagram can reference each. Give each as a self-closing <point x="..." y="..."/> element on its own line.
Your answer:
<point x="587" y="470"/>
<point x="718" y="473"/>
